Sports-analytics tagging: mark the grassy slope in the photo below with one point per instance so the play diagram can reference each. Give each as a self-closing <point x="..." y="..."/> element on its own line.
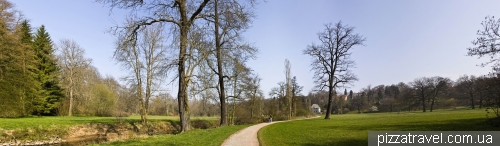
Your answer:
<point x="208" y="137"/>
<point x="352" y="129"/>
<point x="36" y="122"/>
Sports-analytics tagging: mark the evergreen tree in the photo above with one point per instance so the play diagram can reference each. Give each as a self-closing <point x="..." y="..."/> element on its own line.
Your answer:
<point x="350" y="94"/>
<point x="30" y="86"/>
<point x="50" y="93"/>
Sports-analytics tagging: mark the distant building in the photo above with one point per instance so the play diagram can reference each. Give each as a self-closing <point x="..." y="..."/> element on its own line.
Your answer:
<point x="316" y="109"/>
<point x="344" y="97"/>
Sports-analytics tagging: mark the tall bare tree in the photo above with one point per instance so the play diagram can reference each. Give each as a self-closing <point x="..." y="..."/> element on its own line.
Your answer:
<point x="181" y="14"/>
<point x="237" y="71"/>
<point x="288" y="89"/>
<point x="253" y="92"/>
<point x="229" y="18"/>
<point x="73" y="65"/>
<point x="146" y="57"/>
<point x="330" y="59"/>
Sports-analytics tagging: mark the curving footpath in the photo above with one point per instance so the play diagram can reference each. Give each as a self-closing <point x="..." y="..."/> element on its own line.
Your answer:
<point x="248" y="136"/>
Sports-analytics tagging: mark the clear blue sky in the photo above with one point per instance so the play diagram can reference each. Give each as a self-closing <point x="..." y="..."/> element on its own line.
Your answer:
<point x="405" y="39"/>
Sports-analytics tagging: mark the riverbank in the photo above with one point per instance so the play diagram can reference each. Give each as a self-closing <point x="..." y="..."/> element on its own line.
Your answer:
<point x="88" y="130"/>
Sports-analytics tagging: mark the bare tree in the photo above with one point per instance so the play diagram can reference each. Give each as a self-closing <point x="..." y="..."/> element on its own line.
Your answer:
<point x="488" y="42"/>
<point x="253" y="92"/>
<point x="439" y="85"/>
<point x="73" y="64"/>
<point x="237" y="72"/>
<point x="468" y="86"/>
<point x="279" y="94"/>
<point x="181" y="14"/>
<point x="229" y="18"/>
<point x="357" y="101"/>
<point x="288" y="88"/>
<point x="146" y="57"/>
<point x="423" y="87"/>
<point x="330" y="59"/>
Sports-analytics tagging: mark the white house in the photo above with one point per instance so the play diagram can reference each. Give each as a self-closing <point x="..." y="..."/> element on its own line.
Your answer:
<point x="316" y="109"/>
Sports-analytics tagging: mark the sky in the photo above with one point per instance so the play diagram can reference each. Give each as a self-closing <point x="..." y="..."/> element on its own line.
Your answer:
<point x="405" y="39"/>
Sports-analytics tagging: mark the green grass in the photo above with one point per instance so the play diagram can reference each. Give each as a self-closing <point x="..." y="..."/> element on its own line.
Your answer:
<point x="36" y="122"/>
<point x="352" y="129"/>
<point x="208" y="137"/>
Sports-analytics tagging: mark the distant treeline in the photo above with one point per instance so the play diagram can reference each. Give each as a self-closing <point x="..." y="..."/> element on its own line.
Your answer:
<point x="423" y="94"/>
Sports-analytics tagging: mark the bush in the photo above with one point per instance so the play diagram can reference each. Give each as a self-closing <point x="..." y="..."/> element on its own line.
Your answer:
<point x="373" y="109"/>
<point x="302" y="112"/>
<point x="243" y="116"/>
<point x="121" y="114"/>
<point x="451" y="103"/>
<point x="203" y="124"/>
<point x="345" y="111"/>
<point x="103" y="103"/>
<point x="242" y="121"/>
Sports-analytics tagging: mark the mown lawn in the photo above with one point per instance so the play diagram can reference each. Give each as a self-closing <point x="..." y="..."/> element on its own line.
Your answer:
<point x="352" y="129"/>
<point x="197" y="137"/>
<point x="61" y="121"/>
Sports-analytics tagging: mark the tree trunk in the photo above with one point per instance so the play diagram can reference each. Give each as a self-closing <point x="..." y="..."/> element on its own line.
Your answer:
<point x="472" y="100"/>
<point x="294" y="113"/>
<point x="222" y="97"/>
<point x="329" y="107"/>
<point x="480" y="101"/>
<point x="290" y="107"/>
<point x="423" y="101"/>
<point x="70" y="112"/>
<point x="233" y="112"/>
<point x="252" y="106"/>
<point x="182" y="92"/>
<point x="359" y="110"/>
<point x="182" y="98"/>
<point x="432" y="103"/>
<point x="391" y="107"/>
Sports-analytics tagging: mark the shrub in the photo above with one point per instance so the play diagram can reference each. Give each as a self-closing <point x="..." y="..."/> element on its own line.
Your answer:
<point x="203" y="124"/>
<point x="103" y="103"/>
<point x="373" y="109"/>
<point x="121" y="114"/>
<point x="243" y="116"/>
<point x="451" y="103"/>
<point x="345" y="111"/>
<point x="302" y="112"/>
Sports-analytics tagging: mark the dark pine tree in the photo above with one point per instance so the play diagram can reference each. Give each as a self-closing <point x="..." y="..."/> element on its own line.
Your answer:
<point x="350" y="94"/>
<point x="50" y="93"/>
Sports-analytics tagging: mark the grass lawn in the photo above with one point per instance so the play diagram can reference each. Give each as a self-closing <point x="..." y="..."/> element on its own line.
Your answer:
<point x="352" y="129"/>
<point x="36" y="122"/>
<point x="208" y="137"/>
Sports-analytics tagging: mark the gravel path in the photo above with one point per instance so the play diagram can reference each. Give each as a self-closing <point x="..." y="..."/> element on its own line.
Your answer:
<point x="247" y="136"/>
